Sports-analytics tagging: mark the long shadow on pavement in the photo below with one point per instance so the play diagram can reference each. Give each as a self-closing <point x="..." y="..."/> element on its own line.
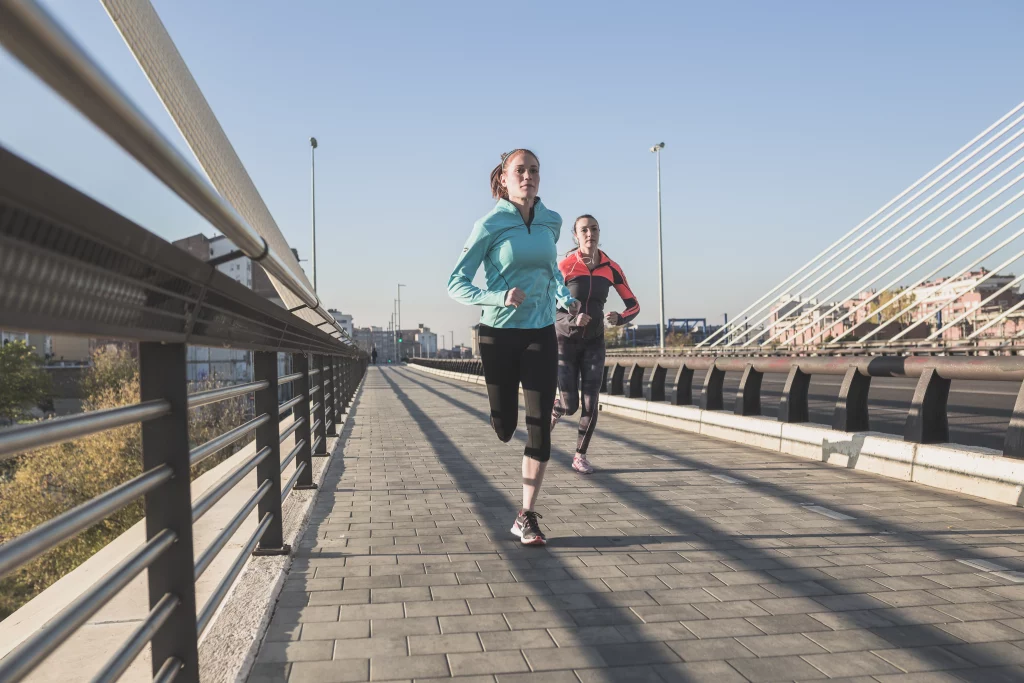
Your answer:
<point x="859" y="611"/>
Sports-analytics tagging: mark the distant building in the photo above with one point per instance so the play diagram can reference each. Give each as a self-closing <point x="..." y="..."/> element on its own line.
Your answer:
<point x="344" y="320"/>
<point x="426" y="342"/>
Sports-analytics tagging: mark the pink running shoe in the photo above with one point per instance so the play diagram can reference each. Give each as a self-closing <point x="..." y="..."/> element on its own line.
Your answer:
<point x="580" y="464"/>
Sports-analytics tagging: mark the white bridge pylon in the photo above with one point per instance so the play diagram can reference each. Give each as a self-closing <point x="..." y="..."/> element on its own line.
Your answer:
<point x="948" y="223"/>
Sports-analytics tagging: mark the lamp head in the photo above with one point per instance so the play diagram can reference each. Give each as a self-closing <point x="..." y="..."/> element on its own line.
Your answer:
<point x="660" y="145"/>
<point x="312" y="143"/>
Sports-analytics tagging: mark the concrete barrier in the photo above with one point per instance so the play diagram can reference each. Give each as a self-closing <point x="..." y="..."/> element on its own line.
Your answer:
<point x="980" y="472"/>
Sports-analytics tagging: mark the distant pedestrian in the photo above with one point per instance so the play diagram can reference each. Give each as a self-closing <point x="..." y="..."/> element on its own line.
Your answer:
<point x="373" y="355"/>
<point x="515" y="243"/>
<point x="589" y="274"/>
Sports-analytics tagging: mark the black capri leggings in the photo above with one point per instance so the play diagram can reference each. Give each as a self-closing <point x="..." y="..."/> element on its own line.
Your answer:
<point x="513" y="356"/>
<point x="580" y="370"/>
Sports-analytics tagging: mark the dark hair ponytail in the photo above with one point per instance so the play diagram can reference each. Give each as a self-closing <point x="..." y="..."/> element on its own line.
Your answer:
<point x="497" y="191"/>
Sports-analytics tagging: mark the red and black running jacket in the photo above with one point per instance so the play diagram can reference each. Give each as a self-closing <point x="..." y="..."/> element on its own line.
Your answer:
<point x="590" y="288"/>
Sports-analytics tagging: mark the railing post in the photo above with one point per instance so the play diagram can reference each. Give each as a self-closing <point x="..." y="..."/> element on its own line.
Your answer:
<point x="711" y="396"/>
<point x="300" y="387"/>
<point x="162" y="375"/>
<point x="636" y="381"/>
<point x="851" y="413"/>
<point x="1013" y="445"/>
<point x="320" y="414"/>
<point x="339" y="391"/>
<point x="618" y="373"/>
<point x="268" y="435"/>
<point x="927" y="421"/>
<point x="346" y="371"/>
<point x="657" y="390"/>
<point x="682" y="394"/>
<point x="748" y="397"/>
<point x="793" y="404"/>
<point x="332" y="406"/>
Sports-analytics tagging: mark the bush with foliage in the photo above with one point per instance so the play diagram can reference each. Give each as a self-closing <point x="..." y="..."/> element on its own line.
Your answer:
<point x="52" y="480"/>
<point x="23" y="383"/>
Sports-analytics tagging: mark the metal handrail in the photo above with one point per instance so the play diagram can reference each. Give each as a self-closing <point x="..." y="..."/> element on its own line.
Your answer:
<point x="27" y="656"/>
<point x="291" y="456"/>
<point x="32" y="36"/>
<point x="137" y="642"/>
<point x="168" y="671"/>
<point x="285" y="379"/>
<point x="316" y="444"/>
<point x="226" y="483"/>
<point x="201" y="453"/>
<point x="221" y="591"/>
<point x="203" y="398"/>
<point x="286" y="489"/>
<point x="316" y="424"/>
<point x="225" y="535"/>
<point x="33" y="543"/>
<point x="289" y="403"/>
<point x="296" y="423"/>
<point x="48" y="432"/>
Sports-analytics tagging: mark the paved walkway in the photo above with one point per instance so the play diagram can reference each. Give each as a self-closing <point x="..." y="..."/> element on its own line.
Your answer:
<point x="682" y="559"/>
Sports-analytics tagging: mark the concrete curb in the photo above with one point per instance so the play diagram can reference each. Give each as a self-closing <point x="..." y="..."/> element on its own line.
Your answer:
<point x="974" y="471"/>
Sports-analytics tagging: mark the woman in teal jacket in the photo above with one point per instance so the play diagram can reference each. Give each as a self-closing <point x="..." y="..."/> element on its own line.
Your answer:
<point x="515" y="243"/>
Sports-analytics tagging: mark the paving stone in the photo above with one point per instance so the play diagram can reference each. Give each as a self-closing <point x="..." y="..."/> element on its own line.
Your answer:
<point x="770" y="669"/>
<point x="347" y="671"/>
<point x="654" y="571"/>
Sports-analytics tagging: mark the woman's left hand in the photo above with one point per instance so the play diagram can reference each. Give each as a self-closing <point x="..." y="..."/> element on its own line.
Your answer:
<point x="574" y="308"/>
<point x="613" y="318"/>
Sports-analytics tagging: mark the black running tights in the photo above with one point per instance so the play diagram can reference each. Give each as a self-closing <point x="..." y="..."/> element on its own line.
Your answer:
<point x="580" y="370"/>
<point x="513" y="356"/>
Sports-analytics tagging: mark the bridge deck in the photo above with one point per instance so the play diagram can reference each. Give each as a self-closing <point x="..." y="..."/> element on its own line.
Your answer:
<point x="681" y="559"/>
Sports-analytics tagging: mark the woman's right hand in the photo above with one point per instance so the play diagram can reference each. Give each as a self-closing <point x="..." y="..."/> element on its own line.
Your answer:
<point x="515" y="297"/>
<point x="582" y="320"/>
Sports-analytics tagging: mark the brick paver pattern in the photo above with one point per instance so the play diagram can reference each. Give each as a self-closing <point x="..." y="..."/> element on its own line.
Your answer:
<point x="681" y="559"/>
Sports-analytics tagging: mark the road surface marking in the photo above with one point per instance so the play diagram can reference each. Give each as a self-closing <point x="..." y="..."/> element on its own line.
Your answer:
<point x="726" y="479"/>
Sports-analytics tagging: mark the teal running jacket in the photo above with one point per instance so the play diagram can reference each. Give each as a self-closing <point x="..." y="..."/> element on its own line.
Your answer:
<point x="513" y="254"/>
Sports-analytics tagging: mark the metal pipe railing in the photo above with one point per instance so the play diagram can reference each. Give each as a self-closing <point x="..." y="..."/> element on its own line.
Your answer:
<point x="299" y="445"/>
<point x="41" y="44"/>
<point x="226" y="483"/>
<point x="287" y="405"/>
<point x="296" y="424"/>
<point x="203" y="398"/>
<point x="48" y="432"/>
<point x="138" y="640"/>
<point x="203" y="563"/>
<point x="30" y="545"/>
<point x="236" y="568"/>
<point x="286" y="489"/>
<point x="201" y="453"/>
<point x="27" y="656"/>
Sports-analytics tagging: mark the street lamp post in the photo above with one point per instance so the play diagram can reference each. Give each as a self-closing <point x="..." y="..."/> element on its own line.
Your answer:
<point x="400" y="318"/>
<point x="661" y="274"/>
<point x="312" y="173"/>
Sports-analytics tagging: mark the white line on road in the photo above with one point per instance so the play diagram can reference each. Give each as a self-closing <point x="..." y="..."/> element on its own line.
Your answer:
<point x="997" y="569"/>
<point x="726" y="479"/>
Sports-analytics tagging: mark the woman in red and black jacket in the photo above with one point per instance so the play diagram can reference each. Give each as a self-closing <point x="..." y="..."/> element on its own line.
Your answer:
<point x="589" y="274"/>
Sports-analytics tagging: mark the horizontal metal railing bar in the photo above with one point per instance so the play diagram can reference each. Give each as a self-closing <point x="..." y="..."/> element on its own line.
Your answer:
<point x="314" y="371"/>
<point x="201" y="453"/>
<point x="316" y="444"/>
<point x="313" y="408"/>
<point x="219" y="593"/>
<point x="31" y="544"/>
<point x="168" y="671"/>
<point x="36" y="40"/>
<point x="289" y="403"/>
<point x="203" y="563"/>
<point x="292" y="427"/>
<point x="130" y="650"/>
<point x="998" y="368"/>
<point x="287" y="488"/>
<point x="291" y="456"/>
<point x="314" y="389"/>
<point x="327" y="396"/>
<point x="48" y="432"/>
<point x="203" y="398"/>
<point x="226" y="483"/>
<point x="316" y="426"/>
<point x="27" y="656"/>
<point x="285" y="379"/>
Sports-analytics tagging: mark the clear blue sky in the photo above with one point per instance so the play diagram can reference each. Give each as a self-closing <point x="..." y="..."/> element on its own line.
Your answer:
<point x="785" y="124"/>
